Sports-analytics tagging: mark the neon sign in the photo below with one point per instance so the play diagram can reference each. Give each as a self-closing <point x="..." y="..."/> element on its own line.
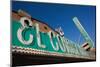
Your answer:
<point x="25" y="34"/>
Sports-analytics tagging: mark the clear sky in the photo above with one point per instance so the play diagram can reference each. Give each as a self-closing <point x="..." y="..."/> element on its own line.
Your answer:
<point x="57" y="15"/>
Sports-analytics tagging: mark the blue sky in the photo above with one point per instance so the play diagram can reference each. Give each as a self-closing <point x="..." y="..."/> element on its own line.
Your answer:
<point x="57" y="15"/>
